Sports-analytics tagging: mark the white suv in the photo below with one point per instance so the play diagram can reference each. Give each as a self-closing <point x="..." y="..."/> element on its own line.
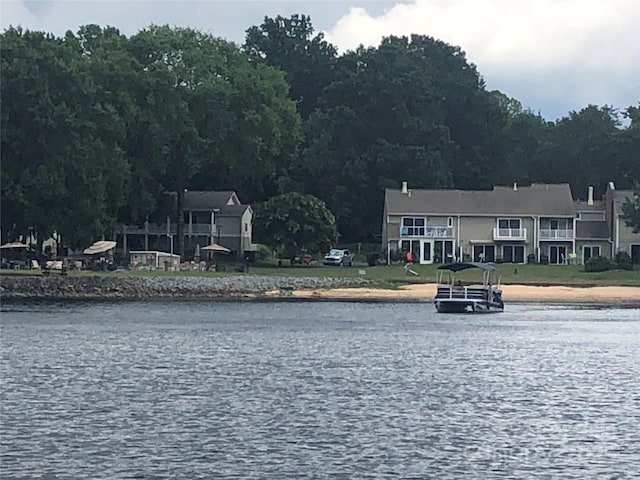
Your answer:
<point x="338" y="257"/>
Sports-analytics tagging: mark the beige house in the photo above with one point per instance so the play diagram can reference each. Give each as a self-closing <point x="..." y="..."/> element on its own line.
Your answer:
<point x="516" y="224"/>
<point x="592" y="231"/>
<point x="622" y="237"/>
<point x="209" y="217"/>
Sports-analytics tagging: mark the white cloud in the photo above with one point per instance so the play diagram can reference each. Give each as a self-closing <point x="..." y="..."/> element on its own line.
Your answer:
<point x="553" y="55"/>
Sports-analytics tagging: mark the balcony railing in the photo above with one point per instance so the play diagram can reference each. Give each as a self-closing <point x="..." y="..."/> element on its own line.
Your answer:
<point x="555" y="234"/>
<point x="200" y="228"/>
<point x="509" y="233"/>
<point x="428" y="231"/>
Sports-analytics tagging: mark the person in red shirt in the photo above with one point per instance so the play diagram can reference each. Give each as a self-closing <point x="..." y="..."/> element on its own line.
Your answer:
<point x="409" y="257"/>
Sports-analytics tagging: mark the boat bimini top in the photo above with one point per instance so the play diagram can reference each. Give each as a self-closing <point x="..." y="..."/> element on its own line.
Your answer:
<point x="459" y="266"/>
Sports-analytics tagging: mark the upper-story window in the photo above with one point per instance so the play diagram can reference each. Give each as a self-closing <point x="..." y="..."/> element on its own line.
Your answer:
<point x="413" y="226"/>
<point x="556" y="223"/>
<point x="509" y="223"/>
<point x="450" y="222"/>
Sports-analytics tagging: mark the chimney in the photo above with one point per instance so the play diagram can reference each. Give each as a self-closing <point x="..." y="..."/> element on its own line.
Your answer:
<point x="404" y="188"/>
<point x="611" y="186"/>
<point x="590" y="200"/>
<point x="515" y="187"/>
<point x="409" y="192"/>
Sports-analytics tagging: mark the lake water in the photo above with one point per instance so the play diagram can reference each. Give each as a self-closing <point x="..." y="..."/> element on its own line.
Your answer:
<point x="317" y="390"/>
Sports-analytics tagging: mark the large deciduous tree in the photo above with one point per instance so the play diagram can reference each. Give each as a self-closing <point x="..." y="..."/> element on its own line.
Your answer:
<point x="60" y="140"/>
<point x="581" y="150"/>
<point x="411" y="109"/>
<point x="290" y="45"/>
<point x="291" y="222"/>
<point x="214" y="118"/>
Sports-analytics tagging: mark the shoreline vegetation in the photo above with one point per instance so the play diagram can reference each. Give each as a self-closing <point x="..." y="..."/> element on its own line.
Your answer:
<point x="521" y="283"/>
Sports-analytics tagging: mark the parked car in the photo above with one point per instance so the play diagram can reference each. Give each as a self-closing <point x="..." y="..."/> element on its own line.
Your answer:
<point x="338" y="257"/>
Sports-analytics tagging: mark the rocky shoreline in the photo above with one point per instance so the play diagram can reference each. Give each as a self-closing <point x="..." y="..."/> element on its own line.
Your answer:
<point x="115" y="287"/>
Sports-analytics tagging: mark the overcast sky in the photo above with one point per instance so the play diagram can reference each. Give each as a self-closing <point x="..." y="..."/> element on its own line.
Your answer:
<point x="554" y="56"/>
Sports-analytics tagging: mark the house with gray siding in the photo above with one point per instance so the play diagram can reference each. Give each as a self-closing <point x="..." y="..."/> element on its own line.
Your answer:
<point x="622" y="237"/>
<point x="209" y="217"/>
<point x="592" y="230"/>
<point x="515" y="224"/>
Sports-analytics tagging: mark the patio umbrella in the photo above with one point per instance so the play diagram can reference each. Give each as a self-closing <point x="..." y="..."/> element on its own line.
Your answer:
<point x="99" y="247"/>
<point x="17" y="245"/>
<point x="214" y="247"/>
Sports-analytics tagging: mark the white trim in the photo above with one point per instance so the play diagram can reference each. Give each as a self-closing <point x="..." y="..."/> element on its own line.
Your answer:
<point x="575" y="221"/>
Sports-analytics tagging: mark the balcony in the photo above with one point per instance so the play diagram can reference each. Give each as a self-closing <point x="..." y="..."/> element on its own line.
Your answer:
<point x="556" y="234"/>
<point x="201" y="228"/>
<point x="197" y="229"/>
<point x="510" y="234"/>
<point x="427" y="232"/>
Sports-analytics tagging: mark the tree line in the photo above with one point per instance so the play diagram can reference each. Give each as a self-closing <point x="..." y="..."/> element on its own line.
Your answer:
<point x="98" y="128"/>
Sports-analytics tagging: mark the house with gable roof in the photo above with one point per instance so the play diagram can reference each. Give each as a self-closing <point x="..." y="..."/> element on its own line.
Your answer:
<point x="518" y="224"/>
<point x="209" y="217"/>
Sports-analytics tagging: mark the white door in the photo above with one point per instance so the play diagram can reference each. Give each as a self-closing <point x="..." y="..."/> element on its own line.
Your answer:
<point x="426" y="248"/>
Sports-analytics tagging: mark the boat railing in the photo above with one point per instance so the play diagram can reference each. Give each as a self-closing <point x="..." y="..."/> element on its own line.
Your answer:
<point x="452" y="292"/>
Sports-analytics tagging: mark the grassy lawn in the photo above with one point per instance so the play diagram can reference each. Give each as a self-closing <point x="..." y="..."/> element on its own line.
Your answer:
<point x="390" y="276"/>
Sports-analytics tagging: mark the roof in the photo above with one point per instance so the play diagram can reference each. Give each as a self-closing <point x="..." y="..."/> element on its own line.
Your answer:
<point x="209" y="200"/>
<point x="233" y="210"/>
<point x="592" y="229"/>
<point x="582" y="206"/>
<point x="537" y="199"/>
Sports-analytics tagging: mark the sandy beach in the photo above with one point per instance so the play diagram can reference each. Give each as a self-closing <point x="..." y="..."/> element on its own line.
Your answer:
<point x="511" y="293"/>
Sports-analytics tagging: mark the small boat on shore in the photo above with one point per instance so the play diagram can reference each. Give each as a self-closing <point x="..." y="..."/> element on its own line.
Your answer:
<point x="455" y="297"/>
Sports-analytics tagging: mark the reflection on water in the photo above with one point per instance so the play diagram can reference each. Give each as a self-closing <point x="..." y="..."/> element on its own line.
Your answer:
<point x="317" y="390"/>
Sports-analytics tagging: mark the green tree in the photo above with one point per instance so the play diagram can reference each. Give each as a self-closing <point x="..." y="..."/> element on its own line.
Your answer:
<point x="575" y="149"/>
<point x="625" y="164"/>
<point x="290" y="45"/>
<point x="291" y="222"/>
<point x="522" y="137"/>
<point x="61" y="166"/>
<point x="212" y="118"/>
<point x="411" y="109"/>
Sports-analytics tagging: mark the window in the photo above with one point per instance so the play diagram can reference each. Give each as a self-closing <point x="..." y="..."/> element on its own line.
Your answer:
<point x="450" y="222"/>
<point x="509" y="223"/>
<point x="589" y="251"/>
<point x="484" y="253"/>
<point x="246" y="227"/>
<point x="513" y="253"/>
<point x="556" y="224"/>
<point x="413" y="226"/>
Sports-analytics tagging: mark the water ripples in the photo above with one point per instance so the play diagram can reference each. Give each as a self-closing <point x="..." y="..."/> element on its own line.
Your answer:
<point x="206" y="390"/>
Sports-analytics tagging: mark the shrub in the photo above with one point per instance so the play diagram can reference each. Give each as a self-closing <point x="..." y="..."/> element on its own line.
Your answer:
<point x="372" y="259"/>
<point x="597" y="264"/>
<point x="623" y="261"/>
